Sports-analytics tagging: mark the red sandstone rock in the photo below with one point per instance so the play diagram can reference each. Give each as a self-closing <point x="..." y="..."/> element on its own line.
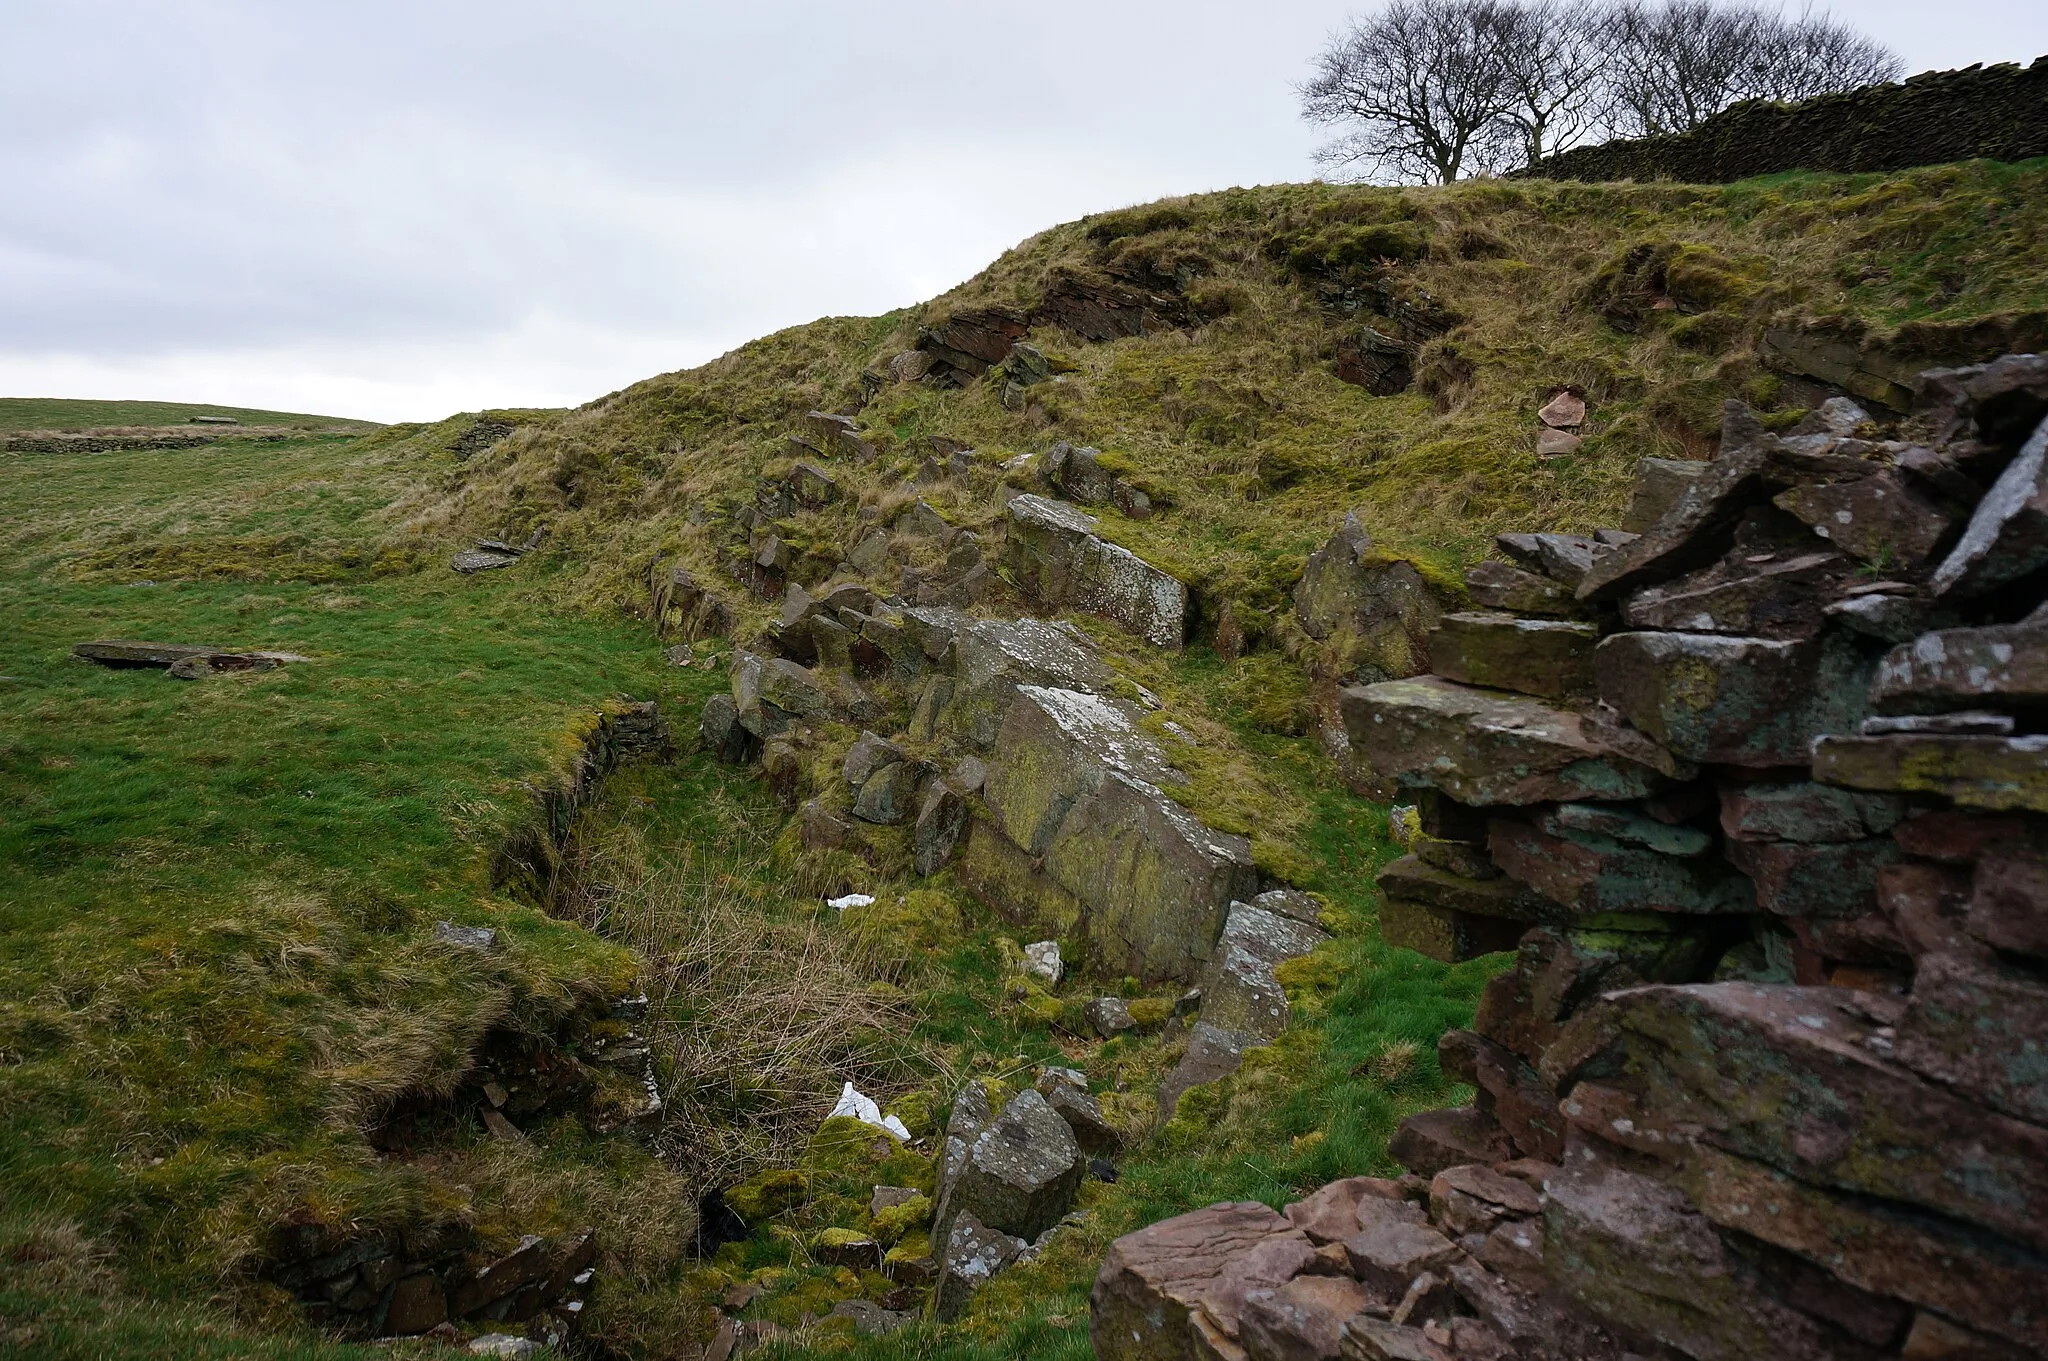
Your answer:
<point x="2009" y="900"/>
<point x="1330" y="1213"/>
<point x="1303" y="1319"/>
<point x="1154" y="1283"/>
<point x="1789" y="1077"/>
<point x="1427" y="1143"/>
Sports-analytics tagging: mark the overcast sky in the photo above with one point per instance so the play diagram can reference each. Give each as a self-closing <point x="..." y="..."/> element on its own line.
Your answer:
<point x="397" y="209"/>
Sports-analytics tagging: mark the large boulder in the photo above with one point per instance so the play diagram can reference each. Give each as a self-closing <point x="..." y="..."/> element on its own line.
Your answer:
<point x="1058" y="560"/>
<point x="992" y="657"/>
<point x="1161" y="1289"/>
<point x="1077" y="796"/>
<point x="1239" y="990"/>
<point x="1019" y="1173"/>
<point x="1374" y="611"/>
<point x="1488" y="747"/>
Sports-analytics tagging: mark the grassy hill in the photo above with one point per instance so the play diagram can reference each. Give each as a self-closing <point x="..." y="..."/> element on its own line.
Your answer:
<point x="218" y="899"/>
<point x="63" y="413"/>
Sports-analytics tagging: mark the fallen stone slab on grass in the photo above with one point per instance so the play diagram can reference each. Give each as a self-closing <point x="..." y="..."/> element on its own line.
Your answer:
<point x="187" y="661"/>
<point x="473" y="560"/>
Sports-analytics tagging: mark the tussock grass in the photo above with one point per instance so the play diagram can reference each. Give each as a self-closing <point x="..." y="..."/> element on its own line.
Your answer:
<point x="1241" y="422"/>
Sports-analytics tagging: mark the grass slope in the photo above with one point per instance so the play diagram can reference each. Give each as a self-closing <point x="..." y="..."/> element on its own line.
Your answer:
<point x="66" y="413"/>
<point x="1650" y="299"/>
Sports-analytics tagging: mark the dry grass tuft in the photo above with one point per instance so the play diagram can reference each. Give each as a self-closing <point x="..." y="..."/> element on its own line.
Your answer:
<point x="760" y="1006"/>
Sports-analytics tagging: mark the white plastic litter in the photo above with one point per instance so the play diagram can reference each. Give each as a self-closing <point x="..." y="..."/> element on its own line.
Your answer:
<point x="863" y="1108"/>
<point x="1042" y="960"/>
<point x="850" y="900"/>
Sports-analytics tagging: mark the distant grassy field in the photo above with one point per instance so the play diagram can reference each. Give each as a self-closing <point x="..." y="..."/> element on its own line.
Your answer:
<point x="63" y="413"/>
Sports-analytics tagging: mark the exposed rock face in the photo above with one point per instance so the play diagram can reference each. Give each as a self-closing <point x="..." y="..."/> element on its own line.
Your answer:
<point x="1059" y="560"/>
<point x="1765" y="1075"/>
<point x="1079" y="806"/>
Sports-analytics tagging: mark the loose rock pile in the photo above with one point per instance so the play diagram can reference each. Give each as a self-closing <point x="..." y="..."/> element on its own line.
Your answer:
<point x="1757" y="798"/>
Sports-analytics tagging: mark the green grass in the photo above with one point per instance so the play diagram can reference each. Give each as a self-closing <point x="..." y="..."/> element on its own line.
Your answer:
<point x="65" y="413"/>
<point x="216" y="897"/>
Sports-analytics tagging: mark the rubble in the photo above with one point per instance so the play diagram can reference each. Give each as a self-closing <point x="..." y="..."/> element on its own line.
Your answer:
<point x="1764" y="1076"/>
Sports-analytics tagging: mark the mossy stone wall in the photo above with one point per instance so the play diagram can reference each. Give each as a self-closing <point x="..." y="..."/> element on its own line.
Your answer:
<point x="1995" y="112"/>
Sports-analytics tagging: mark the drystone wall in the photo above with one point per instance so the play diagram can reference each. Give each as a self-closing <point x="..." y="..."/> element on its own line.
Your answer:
<point x="1758" y="796"/>
<point x="1999" y="112"/>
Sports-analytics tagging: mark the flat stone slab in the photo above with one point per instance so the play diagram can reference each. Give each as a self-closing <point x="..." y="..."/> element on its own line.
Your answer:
<point x="1588" y="873"/>
<point x="132" y="652"/>
<point x="1489" y="747"/>
<point x="1549" y="658"/>
<point x="1785" y="596"/>
<point x="1734" y="701"/>
<point x="1995" y="773"/>
<point x="473" y="560"/>
<point x="1150" y="1296"/>
<point x="1789" y="1077"/>
<point x="1500" y="586"/>
<point x="1963" y="668"/>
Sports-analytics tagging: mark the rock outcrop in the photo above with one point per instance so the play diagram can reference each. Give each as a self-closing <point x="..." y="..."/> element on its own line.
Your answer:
<point x="1059" y="560"/>
<point x="1762" y="1077"/>
<point x="1052" y="800"/>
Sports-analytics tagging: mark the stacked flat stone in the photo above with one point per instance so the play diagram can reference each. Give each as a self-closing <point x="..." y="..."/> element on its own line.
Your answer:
<point x="1758" y="796"/>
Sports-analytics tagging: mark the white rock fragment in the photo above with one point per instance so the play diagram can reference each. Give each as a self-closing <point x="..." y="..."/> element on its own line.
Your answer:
<point x="1042" y="960"/>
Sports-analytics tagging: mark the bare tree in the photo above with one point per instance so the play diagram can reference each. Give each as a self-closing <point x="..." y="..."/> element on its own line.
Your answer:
<point x="1433" y="89"/>
<point x="1556" y="71"/>
<point x="1814" y="55"/>
<point x="1420" y="89"/>
<point x="1680" y="62"/>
